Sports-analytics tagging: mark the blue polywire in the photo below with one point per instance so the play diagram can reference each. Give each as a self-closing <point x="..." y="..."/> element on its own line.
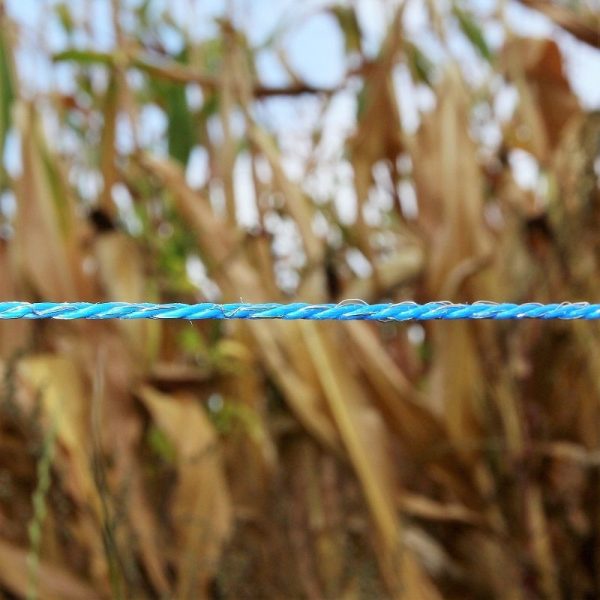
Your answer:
<point x="348" y="310"/>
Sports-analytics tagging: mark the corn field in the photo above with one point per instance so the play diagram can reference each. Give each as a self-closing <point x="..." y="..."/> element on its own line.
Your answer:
<point x="297" y="459"/>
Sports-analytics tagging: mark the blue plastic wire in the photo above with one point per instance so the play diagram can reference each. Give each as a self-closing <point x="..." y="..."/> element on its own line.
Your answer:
<point x="350" y="310"/>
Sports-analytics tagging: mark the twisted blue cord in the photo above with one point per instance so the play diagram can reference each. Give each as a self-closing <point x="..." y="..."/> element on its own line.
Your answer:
<point x="345" y="311"/>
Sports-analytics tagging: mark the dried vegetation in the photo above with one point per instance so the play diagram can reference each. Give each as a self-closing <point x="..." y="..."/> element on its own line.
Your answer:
<point x="272" y="460"/>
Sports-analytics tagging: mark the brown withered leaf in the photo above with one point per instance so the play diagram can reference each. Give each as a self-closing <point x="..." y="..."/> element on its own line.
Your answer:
<point x="215" y="239"/>
<point x="276" y="342"/>
<point x="53" y="582"/>
<point x="58" y="382"/>
<point x="378" y="136"/>
<point x="46" y="235"/>
<point x="494" y="569"/>
<point x="584" y="24"/>
<point x="460" y="247"/>
<point x="379" y="131"/>
<point x="16" y="333"/>
<point x="65" y="407"/>
<point x="541" y="543"/>
<point x="108" y="153"/>
<point x="115" y="432"/>
<point x="418" y="427"/>
<point x="202" y="513"/>
<point x="122" y="275"/>
<point x="425" y="508"/>
<point x="458" y="195"/>
<point x="364" y="437"/>
<point x="546" y="102"/>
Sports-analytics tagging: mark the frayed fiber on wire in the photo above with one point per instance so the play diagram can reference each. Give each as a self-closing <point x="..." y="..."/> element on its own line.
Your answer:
<point x="349" y="310"/>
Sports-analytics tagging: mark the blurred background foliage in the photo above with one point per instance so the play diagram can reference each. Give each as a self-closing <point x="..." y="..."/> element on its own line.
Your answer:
<point x="153" y="154"/>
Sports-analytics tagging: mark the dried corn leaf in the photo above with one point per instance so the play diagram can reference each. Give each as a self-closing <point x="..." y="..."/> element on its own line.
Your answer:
<point x="46" y="229"/>
<point x="16" y="333"/>
<point x="202" y="516"/>
<point x="541" y="545"/>
<point x="579" y="19"/>
<point x="59" y="384"/>
<point x="547" y="102"/>
<point x="413" y="422"/>
<point x="53" y="582"/>
<point x="364" y="437"/>
<point x="65" y="408"/>
<point x="275" y="343"/>
<point x="459" y="247"/>
<point x="108" y="152"/>
<point x="123" y="277"/>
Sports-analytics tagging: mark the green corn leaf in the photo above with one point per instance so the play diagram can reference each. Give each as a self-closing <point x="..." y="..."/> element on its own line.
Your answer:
<point x="420" y="65"/>
<point x="473" y="32"/>
<point x="84" y="57"/>
<point x="348" y="22"/>
<point x="7" y="89"/>
<point x="160" y="444"/>
<point x="65" y="17"/>
<point x="180" y="131"/>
